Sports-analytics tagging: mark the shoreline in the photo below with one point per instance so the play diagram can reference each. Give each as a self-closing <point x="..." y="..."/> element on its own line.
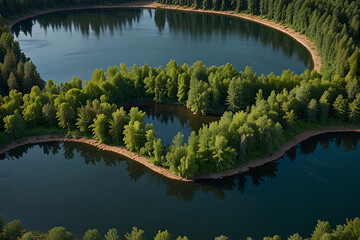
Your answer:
<point x="165" y="172"/>
<point x="300" y="38"/>
<point x="278" y="154"/>
<point x="115" y="149"/>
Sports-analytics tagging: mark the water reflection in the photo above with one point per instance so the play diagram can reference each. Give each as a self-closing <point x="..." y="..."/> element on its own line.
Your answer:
<point x="99" y="21"/>
<point x="187" y="191"/>
<point x="197" y="26"/>
<point x="194" y="26"/>
<point x="169" y="114"/>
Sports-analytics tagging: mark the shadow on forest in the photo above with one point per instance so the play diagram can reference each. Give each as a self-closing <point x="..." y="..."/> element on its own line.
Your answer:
<point x="186" y="191"/>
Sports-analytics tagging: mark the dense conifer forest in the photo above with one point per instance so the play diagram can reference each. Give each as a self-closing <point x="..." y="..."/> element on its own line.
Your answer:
<point x="259" y="113"/>
<point x="334" y="26"/>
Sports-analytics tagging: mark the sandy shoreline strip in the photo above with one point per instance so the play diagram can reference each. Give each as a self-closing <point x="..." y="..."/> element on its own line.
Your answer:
<point x="116" y="149"/>
<point x="302" y="39"/>
<point x="165" y="172"/>
<point x="278" y="154"/>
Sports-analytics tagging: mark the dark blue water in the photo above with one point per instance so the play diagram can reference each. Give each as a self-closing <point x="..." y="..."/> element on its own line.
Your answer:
<point x="80" y="187"/>
<point x="72" y="43"/>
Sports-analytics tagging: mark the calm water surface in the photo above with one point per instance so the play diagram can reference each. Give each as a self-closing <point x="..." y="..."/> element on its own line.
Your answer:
<point x="168" y="120"/>
<point x="77" y="42"/>
<point x="80" y="187"/>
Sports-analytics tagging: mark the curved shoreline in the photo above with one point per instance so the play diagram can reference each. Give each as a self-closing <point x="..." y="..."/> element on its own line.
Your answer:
<point x="116" y="149"/>
<point x="278" y="154"/>
<point x="300" y="38"/>
<point x="165" y="172"/>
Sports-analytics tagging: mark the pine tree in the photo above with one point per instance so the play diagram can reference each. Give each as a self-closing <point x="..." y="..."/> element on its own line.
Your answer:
<point x="65" y="115"/>
<point x="12" y="82"/>
<point x="14" y="125"/>
<point x="100" y="128"/>
<point x="340" y="108"/>
<point x="290" y="118"/>
<point x="354" y="110"/>
<point x="117" y="125"/>
<point x="312" y="110"/>
<point x="199" y="96"/>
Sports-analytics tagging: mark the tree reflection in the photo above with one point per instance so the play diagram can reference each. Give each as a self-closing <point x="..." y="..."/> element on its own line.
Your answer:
<point x="187" y="25"/>
<point x="181" y="190"/>
<point x="170" y="113"/>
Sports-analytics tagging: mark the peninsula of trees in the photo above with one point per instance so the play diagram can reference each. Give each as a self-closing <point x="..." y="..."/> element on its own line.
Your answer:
<point x="259" y="112"/>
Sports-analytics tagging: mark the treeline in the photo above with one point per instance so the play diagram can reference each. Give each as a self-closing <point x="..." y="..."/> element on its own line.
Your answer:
<point x="263" y="110"/>
<point x="11" y="8"/>
<point x="334" y="26"/>
<point x="16" y="71"/>
<point x="323" y="230"/>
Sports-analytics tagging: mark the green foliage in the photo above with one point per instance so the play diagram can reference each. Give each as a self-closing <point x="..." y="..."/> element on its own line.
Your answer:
<point x="290" y="118"/>
<point x="92" y="234"/>
<point x="158" y="154"/>
<point x="320" y="229"/>
<point x="100" y="128"/>
<point x="175" y="153"/>
<point x="117" y="125"/>
<point x="333" y="26"/>
<point x="134" y="136"/>
<point x="295" y="236"/>
<point x="183" y="87"/>
<point x="323" y="231"/>
<point x="312" y="110"/>
<point x="28" y="236"/>
<point x="59" y="233"/>
<point x="136" y="234"/>
<point x="199" y="96"/>
<point x="233" y="98"/>
<point x="354" y="110"/>
<point x="340" y="107"/>
<point x="65" y="115"/>
<point x="262" y="105"/>
<point x="182" y="238"/>
<point x="276" y="237"/>
<point x="112" y="234"/>
<point x="13" y="230"/>
<point x="162" y="235"/>
<point x="223" y="154"/>
<point x="14" y="125"/>
<point x="148" y="149"/>
<point x="221" y="237"/>
<point x="49" y="113"/>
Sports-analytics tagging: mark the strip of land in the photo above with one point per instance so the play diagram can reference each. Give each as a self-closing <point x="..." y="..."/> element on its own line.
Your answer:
<point x="165" y="172"/>
<point x="145" y="161"/>
<point x="116" y="149"/>
<point x="280" y="153"/>
<point x="302" y="39"/>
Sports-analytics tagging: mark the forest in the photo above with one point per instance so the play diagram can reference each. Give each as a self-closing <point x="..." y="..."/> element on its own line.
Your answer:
<point x="333" y="26"/>
<point x="262" y="111"/>
<point x="323" y="230"/>
<point x="259" y="113"/>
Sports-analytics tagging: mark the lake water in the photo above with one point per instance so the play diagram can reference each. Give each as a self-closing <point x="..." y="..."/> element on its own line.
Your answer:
<point x="80" y="187"/>
<point x="168" y="120"/>
<point x="75" y="43"/>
